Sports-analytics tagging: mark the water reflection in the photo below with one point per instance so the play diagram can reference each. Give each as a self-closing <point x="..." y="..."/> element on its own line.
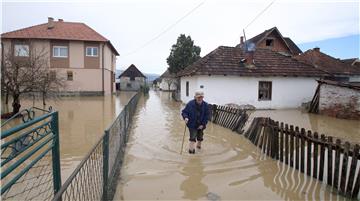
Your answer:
<point x="193" y="187"/>
<point x="82" y="121"/>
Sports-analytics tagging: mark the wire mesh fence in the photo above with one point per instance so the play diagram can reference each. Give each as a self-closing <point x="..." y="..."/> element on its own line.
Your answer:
<point x="96" y="176"/>
<point x="30" y="163"/>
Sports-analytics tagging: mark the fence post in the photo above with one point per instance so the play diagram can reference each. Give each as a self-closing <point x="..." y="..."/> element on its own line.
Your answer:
<point x="105" y="165"/>
<point x="56" y="152"/>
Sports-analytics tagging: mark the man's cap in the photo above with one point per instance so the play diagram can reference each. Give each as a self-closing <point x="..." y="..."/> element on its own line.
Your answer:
<point x="199" y="94"/>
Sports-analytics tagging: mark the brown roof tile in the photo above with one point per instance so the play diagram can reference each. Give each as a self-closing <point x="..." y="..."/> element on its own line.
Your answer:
<point x="227" y="61"/>
<point x="61" y="31"/>
<point x="327" y="63"/>
<point x="132" y="71"/>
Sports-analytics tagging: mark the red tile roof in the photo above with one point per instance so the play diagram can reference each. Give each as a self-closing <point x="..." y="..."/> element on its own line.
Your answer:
<point x="61" y="31"/>
<point x="227" y="61"/>
<point x="327" y="63"/>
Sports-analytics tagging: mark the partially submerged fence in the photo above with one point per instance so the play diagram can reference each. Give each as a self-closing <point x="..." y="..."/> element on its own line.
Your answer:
<point x="96" y="176"/>
<point x="229" y="117"/>
<point x="335" y="163"/>
<point x="30" y="159"/>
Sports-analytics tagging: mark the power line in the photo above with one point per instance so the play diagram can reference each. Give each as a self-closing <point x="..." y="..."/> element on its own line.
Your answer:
<point x="166" y="30"/>
<point x="260" y="14"/>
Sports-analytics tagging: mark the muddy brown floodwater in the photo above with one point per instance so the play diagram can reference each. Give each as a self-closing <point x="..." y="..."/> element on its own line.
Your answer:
<point x="82" y="121"/>
<point x="228" y="167"/>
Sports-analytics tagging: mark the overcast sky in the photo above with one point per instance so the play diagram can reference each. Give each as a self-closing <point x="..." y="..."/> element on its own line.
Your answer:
<point x="131" y="24"/>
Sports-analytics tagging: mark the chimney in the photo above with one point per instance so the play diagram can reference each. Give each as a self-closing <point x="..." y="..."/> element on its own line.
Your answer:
<point x="60" y="20"/>
<point x="241" y="40"/>
<point x="50" y="23"/>
<point x="317" y="49"/>
<point x="249" y="56"/>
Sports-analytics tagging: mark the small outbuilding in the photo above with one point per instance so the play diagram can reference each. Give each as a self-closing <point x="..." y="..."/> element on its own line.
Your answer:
<point x="132" y="79"/>
<point x="337" y="99"/>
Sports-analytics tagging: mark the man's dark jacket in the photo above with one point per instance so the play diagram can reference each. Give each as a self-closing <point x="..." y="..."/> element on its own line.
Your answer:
<point x="190" y="112"/>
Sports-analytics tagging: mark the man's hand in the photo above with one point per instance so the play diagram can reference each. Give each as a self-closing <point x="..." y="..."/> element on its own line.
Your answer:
<point x="200" y="127"/>
<point x="186" y="120"/>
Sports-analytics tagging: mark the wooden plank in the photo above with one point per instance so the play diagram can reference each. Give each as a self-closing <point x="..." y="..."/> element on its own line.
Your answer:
<point x="276" y="136"/>
<point x="354" y="162"/>
<point x="297" y="147"/>
<point x="356" y="186"/>
<point x="308" y="155"/>
<point x="302" y="152"/>
<point x="330" y="161"/>
<point x="281" y="141"/>
<point x="344" y="168"/>
<point x="337" y="163"/>
<point x="286" y="144"/>
<point x="269" y="137"/>
<point x="322" y="157"/>
<point x="315" y="158"/>
<point x="291" y="135"/>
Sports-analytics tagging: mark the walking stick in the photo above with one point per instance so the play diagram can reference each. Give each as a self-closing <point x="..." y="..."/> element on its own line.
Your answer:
<point x="182" y="145"/>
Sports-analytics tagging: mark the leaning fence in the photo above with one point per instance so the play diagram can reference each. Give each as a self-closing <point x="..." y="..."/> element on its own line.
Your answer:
<point x="96" y="176"/>
<point x="30" y="159"/>
<point x="329" y="160"/>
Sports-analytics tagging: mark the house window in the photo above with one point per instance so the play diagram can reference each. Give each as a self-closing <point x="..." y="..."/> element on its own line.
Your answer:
<point x="187" y="88"/>
<point x="60" y="51"/>
<point x="91" y="51"/>
<point x="52" y="75"/>
<point x="70" y="76"/>
<point x="265" y="89"/>
<point x="128" y="85"/>
<point x="21" y="50"/>
<point x="132" y="78"/>
<point x="269" y="42"/>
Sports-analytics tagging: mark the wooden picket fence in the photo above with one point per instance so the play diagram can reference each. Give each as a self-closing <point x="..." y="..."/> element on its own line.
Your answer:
<point x="322" y="157"/>
<point x="310" y="153"/>
<point x="229" y="117"/>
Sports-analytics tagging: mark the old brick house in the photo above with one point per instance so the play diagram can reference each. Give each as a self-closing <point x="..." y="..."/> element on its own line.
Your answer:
<point x="273" y="40"/>
<point x="86" y="59"/>
<point x="338" y="99"/>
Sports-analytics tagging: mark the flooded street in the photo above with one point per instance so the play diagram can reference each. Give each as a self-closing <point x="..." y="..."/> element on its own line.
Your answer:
<point x="82" y="121"/>
<point x="228" y="166"/>
<point x="348" y="130"/>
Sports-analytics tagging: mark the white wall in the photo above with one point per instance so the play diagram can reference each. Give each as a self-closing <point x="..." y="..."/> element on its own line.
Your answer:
<point x="165" y="86"/>
<point x="287" y="92"/>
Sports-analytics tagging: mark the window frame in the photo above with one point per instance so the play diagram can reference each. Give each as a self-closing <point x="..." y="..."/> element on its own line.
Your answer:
<point x="261" y="88"/>
<point x="187" y="88"/>
<point x="68" y="77"/>
<point x="59" y="47"/>
<point x="271" y="42"/>
<point x="28" y="50"/>
<point x="92" y="51"/>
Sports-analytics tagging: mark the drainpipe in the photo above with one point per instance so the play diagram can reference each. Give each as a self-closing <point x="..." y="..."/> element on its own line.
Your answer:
<point x="103" y="69"/>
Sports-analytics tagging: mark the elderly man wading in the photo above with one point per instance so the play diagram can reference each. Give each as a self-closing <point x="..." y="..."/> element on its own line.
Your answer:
<point x="196" y="114"/>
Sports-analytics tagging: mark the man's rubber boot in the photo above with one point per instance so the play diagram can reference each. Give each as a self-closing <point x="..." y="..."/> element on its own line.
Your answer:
<point x="192" y="147"/>
<point x="198" y="145"/>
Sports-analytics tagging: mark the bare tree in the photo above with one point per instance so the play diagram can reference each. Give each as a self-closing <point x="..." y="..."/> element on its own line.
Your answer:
<point x="28" y="72"/>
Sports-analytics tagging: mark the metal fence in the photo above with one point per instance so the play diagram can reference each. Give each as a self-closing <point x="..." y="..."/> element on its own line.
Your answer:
<point x="30" y="160"/>
<point x="96" y="176"/>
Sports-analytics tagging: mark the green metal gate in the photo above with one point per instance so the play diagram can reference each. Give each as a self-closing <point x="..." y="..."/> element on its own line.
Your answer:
<point x="30" y="158"/>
